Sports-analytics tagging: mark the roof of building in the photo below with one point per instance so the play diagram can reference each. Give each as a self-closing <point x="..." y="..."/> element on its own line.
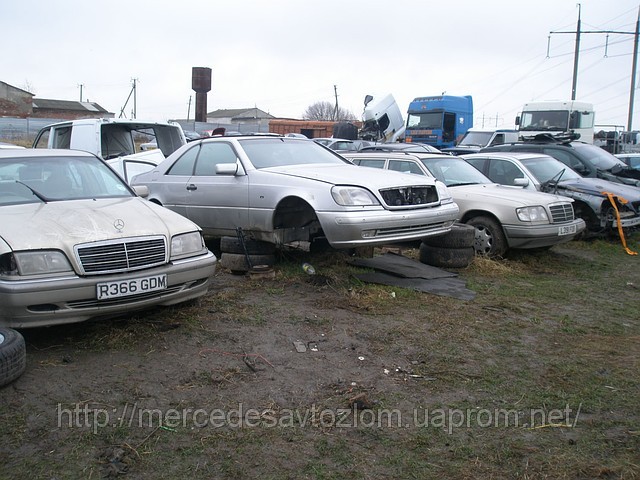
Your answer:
<point x="239" y="113"/>
<point x="67" y="105"/>
<point x="16" y="88"/>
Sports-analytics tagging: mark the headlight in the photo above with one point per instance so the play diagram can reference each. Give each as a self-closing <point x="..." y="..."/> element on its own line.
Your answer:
<point x="186" y="244"/>
<point x="532" y="214"/>
<point x="353" y="196"/>
<point x="443" y="192"/>
<point x="40" y="262"/>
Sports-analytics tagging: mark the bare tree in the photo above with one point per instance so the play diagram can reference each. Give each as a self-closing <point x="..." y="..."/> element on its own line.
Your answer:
<point x="326" y="111"/>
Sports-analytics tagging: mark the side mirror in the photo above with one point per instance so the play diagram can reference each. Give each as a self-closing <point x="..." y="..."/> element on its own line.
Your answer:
<point x="226" y="168"/>
<point x="518" y="120"/>
<point x="141" y="190"/>
<point x="521" y="182"/>
<point x="367" y="99"/>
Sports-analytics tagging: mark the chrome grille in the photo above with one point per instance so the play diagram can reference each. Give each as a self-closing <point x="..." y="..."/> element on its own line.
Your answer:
<point x="561" y="212"/>
<point x="124" y="255"/>
<point x="410" y="196"/>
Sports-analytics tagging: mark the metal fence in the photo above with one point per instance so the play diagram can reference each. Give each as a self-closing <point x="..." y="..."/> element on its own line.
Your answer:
<point x="25" y="129"/>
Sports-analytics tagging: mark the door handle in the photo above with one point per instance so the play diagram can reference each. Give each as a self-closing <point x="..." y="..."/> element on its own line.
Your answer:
<point x="191" y="187"/>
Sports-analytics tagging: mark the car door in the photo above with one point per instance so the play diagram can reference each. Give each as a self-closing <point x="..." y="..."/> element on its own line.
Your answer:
<point x="171" y="189"/>
<point x="218" y="203"/>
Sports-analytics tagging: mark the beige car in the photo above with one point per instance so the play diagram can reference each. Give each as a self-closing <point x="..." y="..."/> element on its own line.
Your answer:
<point x="504" y="217"/>
<point x="76" y="242"/>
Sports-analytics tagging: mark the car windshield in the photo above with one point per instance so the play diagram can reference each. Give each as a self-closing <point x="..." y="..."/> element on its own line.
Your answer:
<point x="546" y="168"/>
<point x="281" y="152"/>
<point x="454" y="171"/>
<point x="598" y="156"/>
<point x="44" y="179"/>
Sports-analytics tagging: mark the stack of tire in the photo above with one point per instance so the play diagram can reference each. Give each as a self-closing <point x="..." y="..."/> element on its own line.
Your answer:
<point x="234" y="257"/>
<point x="13" y="355"/>
<point x="452" y="250"/>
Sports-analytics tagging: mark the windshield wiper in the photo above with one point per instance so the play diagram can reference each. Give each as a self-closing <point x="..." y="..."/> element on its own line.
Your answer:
<point x="551" y="180"/>
<point x="35" y="192"/>
<point x="461" y="184"/>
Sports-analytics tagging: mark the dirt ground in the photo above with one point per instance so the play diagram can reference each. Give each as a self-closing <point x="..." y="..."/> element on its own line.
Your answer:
<point x="325" y="377"/>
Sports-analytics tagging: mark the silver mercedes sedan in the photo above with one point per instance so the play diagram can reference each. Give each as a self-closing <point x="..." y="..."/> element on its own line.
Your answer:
<point x="76" y="242"/>
<point x="283" y="189"/>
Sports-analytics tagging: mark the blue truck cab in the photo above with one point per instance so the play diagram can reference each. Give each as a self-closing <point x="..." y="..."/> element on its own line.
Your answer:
<point x="440" y="121"/>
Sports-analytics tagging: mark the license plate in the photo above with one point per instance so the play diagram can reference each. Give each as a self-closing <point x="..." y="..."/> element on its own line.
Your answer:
<point x="567" y="229"/>
<point x="136" y="286"/>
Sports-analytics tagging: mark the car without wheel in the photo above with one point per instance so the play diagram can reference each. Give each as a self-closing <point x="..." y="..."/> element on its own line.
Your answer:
<point x="503" y="217"/>
<point x="283" y="189"/>
<point x="76" y="242"/>
<point x="598" y="202"/>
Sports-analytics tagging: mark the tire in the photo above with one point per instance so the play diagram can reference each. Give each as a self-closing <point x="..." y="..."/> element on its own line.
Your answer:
<point x="237" y="263"/>
<point x="446" y="257"/>
<point x="489" y="238"/>
<point x="13" y="355"/>
<point x="460" y="236"/>
<point x="254" y="247"/>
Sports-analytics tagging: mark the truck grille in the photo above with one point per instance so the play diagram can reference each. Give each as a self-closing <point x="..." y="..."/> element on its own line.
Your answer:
<point x="123" y="255"/>
<point x="410" y="196"/>
<point x="561" y="212"/>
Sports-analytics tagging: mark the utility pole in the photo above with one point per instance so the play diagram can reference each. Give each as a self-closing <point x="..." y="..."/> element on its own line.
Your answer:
<point x="189" y="108"/>
<point x="575" y="57"/>
<point x="632" y="90"/>
<point x="80" y="85"/>
<point x="578" y="32"/>
<point x="335" y="112"/>
<point x="135" y="103"/>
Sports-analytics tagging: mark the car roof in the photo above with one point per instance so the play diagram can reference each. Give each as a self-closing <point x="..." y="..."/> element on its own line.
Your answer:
<point x="505" y="155"/>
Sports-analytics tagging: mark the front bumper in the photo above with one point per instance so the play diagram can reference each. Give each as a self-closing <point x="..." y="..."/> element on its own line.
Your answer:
<point x="365" y="227"/>
<point x="537" y="236"/>
<point x="58" y="300"/>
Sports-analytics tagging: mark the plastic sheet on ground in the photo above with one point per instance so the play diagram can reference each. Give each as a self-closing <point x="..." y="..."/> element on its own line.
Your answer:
<point x="398" y="270"/>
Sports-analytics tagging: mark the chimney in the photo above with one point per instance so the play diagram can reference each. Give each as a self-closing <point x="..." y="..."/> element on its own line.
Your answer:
<point x="201" y="84"/>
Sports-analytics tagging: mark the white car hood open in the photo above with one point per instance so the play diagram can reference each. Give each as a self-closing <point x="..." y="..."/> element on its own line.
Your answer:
<point x="353" y="175"/>
<point x="61" y="225"/>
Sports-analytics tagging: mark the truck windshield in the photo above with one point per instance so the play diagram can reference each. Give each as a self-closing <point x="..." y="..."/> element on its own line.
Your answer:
<point x="545" y="120"/>
<point x="430" y="120"/>
<point x="479" y="139"/>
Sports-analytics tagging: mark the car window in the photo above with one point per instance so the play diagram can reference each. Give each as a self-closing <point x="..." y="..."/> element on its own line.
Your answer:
<point x="565" y="157"/>
<point x="405" y="166"/>
<point x="286" y="151"/>
<point x="479" y="163"/>
<point x="57" y="178"/>
<point x="184" y="165"/>
<point x="370" y="162"/>
<point x="597" y="156"/>
<point x="212" y="154"/>
<point x="504" y="172"/>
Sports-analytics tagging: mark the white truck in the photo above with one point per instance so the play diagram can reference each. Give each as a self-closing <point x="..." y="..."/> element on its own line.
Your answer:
<point x="554" y="117"/>
<point x="117" y="141"/>
<point x="382" y="120"/>
<point x="476" y="139"/>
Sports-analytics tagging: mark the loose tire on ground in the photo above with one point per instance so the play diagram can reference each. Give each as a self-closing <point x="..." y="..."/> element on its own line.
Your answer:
<point x="460" y="236"/>
<point x="446" y="257"/>
<point x="254" y="247"/>
<point x="489" y="239"/>
<point x="237" y="263"/>
<point x="13" y="355"/>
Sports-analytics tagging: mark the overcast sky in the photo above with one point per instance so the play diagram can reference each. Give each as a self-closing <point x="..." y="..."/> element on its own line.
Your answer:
<point x="284" y="55"/>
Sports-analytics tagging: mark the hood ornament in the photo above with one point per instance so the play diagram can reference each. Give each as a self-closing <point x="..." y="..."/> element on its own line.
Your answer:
<point x="119" y="225"/>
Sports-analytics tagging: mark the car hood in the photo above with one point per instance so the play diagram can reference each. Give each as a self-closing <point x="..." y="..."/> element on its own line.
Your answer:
<point x="598" y="186"/>
<point x="61" y="225"/>
<point x="495" y="193"/>
<point x="352" y="175"/>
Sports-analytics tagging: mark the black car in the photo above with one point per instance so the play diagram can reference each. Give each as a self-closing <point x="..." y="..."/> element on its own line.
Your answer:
<point x="586" y="159"/>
